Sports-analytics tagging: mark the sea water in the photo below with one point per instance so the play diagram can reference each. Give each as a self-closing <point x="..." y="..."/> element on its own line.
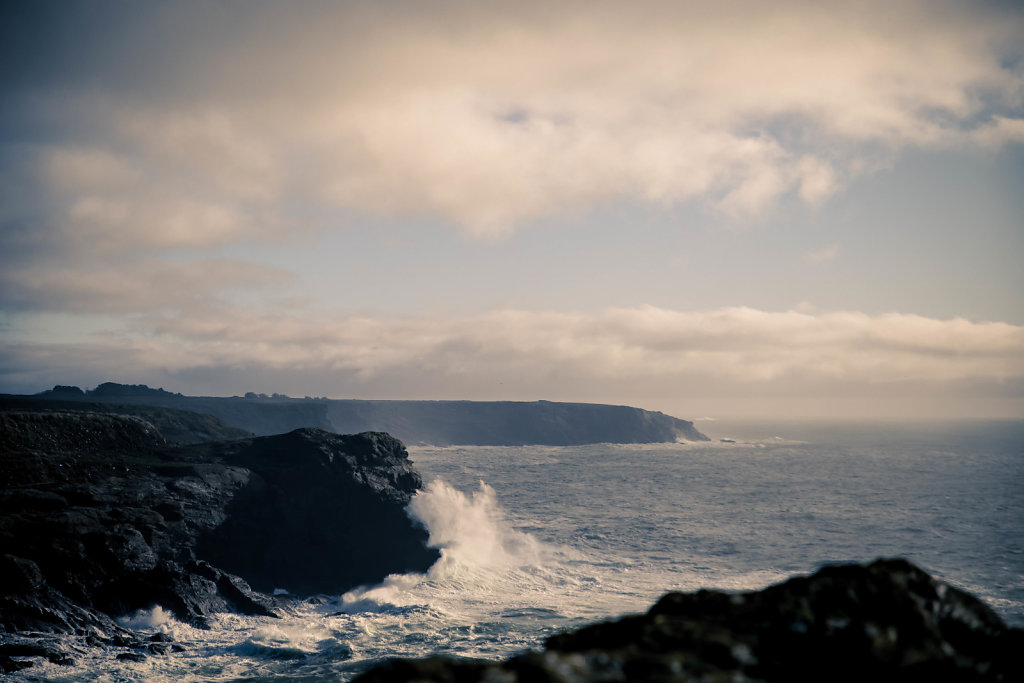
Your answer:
<point x="538" y="539"/>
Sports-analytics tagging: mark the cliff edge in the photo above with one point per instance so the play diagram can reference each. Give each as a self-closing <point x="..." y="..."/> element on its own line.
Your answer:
<point x="438" y="423"/>
<point x="100" y="517"/>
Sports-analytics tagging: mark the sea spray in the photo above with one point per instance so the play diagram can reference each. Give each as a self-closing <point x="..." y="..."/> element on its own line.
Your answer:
<point x="156" y="618"/>
<point x="481" y="554"/>
<point x="613" y="528"/>
<point x="471" y="531"/>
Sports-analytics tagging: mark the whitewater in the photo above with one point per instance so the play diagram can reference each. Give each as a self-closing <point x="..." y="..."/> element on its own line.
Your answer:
<point x="537" y="539"/>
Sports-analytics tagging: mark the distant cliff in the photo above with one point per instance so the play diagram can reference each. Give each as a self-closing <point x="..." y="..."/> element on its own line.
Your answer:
<point x="258" y="415"/>
<point x="491" y="423"/>
<point x="510" y="423"/>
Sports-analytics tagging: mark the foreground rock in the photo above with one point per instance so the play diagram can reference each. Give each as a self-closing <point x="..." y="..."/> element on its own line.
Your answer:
<point x="100" y="517"/>
<point x="887" y="621"/>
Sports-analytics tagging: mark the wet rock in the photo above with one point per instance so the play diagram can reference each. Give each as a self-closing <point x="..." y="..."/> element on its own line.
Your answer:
<point x="886" y="621"/>
<point x="100" y="517"/>
<point x="321" y="513"/>
<point x="132" y="657"/>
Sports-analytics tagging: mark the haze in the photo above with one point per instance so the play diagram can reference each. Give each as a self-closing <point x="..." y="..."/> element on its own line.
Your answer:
<point x="732" y="209"/>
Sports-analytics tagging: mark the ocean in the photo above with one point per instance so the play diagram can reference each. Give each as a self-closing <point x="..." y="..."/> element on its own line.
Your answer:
<point x="538" y="539"/>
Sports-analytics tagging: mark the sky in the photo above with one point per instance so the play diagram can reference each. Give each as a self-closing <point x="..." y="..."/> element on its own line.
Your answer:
<point x="716" y="210"/>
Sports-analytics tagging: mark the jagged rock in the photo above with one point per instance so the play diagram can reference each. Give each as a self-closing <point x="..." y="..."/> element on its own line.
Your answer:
<point x="314" y="503"/>
<point x="99" y="517"/>
<point x="887" y="621"/>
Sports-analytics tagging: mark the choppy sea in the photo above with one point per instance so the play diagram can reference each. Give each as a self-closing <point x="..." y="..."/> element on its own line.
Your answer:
<point x="538" y="539"/>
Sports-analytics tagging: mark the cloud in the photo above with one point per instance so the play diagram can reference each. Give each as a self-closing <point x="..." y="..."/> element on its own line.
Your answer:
<point x="492" y="114"/>
<point x="146" y="146"/>
<point x="621" y="350"/>
<point x="149" y="286"/>
<point x="824" y="255"/>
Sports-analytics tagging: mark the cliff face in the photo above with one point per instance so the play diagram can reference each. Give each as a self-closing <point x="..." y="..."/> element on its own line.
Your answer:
<point x="511" y="423"/>
<point x="319" y="512"/>
<point x="887" y="621"/>
<point x="442" y="423"/>
<point x="99" y="517"/>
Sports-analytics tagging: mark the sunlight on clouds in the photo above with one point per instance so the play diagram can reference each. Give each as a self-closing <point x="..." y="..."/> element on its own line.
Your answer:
<point x="823" y="255"/>
<point x="76" y="169"/>
<point x="138" y="182"/>
<point x="492" y="114"/>
<point x="643" y="355"/>
<point x="146" y="285"/>
<point x="655" y="344"/>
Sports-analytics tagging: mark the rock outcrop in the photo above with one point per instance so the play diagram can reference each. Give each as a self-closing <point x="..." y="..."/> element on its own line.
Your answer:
<point x="887" y="621"/>
<point x="100" y="517"/>
<point x="181" y="427"/>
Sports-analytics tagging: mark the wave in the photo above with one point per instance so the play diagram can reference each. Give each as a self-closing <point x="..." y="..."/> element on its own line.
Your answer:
<point x="483" y="557"/>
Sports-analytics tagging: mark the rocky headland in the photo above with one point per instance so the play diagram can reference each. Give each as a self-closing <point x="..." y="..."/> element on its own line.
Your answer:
<point x="886" y="621"/>
<point x="179" y="427"/>
<point x="439" y="423"/>
<point x="100" y="516"/>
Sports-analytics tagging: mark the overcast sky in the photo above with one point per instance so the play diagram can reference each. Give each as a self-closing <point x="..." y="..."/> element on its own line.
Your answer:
<point x="711" y="209"/>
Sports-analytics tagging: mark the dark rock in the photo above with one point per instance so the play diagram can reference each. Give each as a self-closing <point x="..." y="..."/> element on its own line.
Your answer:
<point x="887" y="621"/>
<point x="132" y="657"/>
<point x="313" y="503"/>
<point x="99" y="517"/>
<point x="176" y="426"/>
<point x="9" y="665"/>
<point x="26" y="648"/>
<point x="64" y="390"/>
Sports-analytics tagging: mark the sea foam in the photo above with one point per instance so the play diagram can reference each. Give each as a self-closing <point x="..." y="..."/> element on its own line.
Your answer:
<point x="480" y="551"/>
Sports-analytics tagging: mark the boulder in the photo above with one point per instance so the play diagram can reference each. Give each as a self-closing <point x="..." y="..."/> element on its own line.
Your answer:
<point x="100" y="517"/>
<point x="886" y="621"/>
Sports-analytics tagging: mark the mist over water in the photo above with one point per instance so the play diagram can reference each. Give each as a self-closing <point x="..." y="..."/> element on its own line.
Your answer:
<point x="538" y="539"/>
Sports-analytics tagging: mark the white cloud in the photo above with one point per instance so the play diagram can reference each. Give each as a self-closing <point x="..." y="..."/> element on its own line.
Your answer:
<point x="645" y="344"/>
<point x="490" y="114"/>
<point x="149" y="286"/>
<point x="823" y="255"/>
<point x="645" y="356"/>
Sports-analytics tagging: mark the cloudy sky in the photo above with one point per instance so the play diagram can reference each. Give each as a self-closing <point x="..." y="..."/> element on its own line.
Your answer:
<point x="712" y="209"/>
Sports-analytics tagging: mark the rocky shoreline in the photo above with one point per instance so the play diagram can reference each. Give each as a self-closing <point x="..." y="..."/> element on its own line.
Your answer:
<point x="100" y="517"/>
<point x="885" y="621"/>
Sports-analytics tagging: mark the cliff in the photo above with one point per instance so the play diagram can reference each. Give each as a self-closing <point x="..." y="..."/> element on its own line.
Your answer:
<point x="176" y="426"/>
<point x="484" y="423"/>
<point x="511" y="423"/>
<point x="886" y="621"/>
<point x="99" y="517"/>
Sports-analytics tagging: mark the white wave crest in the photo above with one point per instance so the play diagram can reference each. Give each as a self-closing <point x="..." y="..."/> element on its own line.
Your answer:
<point x="148" y="619"/>
<point x="482" y="556"/>
<point x="471" y="531"/>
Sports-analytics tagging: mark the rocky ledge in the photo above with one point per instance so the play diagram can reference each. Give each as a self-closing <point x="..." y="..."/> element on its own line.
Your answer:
<point x="887" y="621"/>
<point x="100" y="517"/>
